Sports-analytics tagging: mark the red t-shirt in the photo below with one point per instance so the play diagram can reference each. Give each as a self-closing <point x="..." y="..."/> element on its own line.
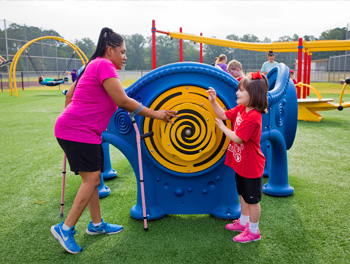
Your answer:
<point x="245" y="158"/>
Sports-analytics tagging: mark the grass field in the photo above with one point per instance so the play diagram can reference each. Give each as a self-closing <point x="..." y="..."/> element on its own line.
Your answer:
<point x="311" y="226"/>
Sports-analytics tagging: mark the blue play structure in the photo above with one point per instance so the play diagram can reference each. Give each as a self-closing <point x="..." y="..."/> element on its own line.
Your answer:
<point x="183" y="163"/>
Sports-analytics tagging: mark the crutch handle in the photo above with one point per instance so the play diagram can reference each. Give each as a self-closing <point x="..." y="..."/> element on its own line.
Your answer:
<point x="149" y="134"/>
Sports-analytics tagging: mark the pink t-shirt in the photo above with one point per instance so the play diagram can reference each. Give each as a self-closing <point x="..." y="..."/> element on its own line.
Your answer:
<point x="245" y="158"/>
<point x="88" y="115"/>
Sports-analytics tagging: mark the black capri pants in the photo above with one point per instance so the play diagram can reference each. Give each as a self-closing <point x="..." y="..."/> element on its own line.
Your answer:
<point x="83" y="157"/>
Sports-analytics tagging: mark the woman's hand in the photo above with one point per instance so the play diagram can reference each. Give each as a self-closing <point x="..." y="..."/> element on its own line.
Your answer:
<point x="165" y="115"/>
<point x="212" y="94"/>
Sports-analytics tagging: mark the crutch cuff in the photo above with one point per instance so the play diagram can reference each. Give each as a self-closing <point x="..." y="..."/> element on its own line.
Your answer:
<point x="137" y="111"/>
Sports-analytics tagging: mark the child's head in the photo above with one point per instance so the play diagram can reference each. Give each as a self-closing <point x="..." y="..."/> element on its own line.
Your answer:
<point x="221" y="59"/>
<point x="271" y="56"/>
<point x="235" y="68"/>
<point x="41" y="78"/>
<point x="291" y="74"/>
<point x="256" y="86"/>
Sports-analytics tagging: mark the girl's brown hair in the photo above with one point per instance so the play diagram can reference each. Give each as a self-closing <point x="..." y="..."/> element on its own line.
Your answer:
<point x="221" y="58"/>
<point x="270" y="53"/>
<point x="257" y="90"/>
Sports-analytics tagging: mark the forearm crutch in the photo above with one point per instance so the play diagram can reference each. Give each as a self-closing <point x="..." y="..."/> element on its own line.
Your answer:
<point x="63" y="182"/>
<point x="138" y="141"/>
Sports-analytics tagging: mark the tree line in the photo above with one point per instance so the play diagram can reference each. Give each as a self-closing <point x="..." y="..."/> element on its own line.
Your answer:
<point x="139" y="48"/>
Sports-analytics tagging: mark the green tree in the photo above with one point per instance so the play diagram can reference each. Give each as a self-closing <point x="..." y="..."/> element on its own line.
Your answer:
<point x="86" y="45"/>
<point x="335" y="33"/>
<point x="135" y="52"/>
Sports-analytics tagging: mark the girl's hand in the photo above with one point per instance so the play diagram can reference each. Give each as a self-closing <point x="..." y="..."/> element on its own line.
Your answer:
<point x="212" y="94"/>
<point x="220" y="123"/>
<point x="165" y="115"/>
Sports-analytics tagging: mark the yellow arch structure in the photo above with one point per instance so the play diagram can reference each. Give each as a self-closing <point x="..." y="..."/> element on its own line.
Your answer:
<point x="290" y="46"/>
<point x="20" y="51"/>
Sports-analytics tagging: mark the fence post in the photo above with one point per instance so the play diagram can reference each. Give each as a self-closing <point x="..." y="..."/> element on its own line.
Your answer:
<point x="2" y="89"/>
<point x="22" y="81"/>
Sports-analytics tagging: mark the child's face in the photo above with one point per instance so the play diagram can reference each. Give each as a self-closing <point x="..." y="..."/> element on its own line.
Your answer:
<point x="243" y="97"/>
<point x="235" y="72"/>
<point x="271" y="58"/>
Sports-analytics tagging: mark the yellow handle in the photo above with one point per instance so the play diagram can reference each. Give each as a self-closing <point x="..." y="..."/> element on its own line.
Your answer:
<point x="300" y="84"/>
<point x="341" y="94"/>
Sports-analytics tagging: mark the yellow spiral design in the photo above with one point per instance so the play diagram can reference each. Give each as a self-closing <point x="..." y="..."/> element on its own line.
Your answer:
<point x="193" y="143"/>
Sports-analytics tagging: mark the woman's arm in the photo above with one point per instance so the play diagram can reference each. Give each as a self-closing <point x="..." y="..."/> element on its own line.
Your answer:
<point x="116" y="91"/>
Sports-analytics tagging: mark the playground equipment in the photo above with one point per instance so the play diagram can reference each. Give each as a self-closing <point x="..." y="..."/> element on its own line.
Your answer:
<point x="13" y="65"/>
<point x="184" y="171"/>
<point x="307" y="107"/>
<point x="301" y="46"/>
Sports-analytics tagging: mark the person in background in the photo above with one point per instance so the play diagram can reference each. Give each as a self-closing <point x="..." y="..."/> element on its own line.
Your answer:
<point x="90" y="103"/>
<point x="268" y="65"/>
<point x="291" y="76"/>
<point x="48" y="81"/>
<point x="235" y="68"/>
<point x="221" y="62"/>
<point x="74" y="75"/>
<point x="4" y="62"/>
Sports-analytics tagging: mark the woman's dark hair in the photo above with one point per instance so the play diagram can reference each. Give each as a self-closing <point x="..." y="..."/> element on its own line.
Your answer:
<point x="270" y="53"/>
<point x="107" y="38"/>
<point x="257" y="90"/>
<point x="41" y="78"/>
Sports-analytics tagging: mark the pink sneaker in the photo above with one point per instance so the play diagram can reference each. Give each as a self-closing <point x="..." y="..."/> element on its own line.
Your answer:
<point x="236" y="226"/>
<point x="247" y="236"/>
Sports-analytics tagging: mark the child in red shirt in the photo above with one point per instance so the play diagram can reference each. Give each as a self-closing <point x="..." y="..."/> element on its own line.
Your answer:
<point x="243" y="153"/>
<point x="291" y="76"/>
<point x="235" y="68"/>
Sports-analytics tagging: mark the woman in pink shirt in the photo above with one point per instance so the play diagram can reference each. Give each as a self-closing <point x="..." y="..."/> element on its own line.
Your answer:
<point x="90" y="104"/>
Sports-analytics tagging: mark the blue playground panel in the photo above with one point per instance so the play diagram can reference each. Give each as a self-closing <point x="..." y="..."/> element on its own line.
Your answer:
<point x="171" y="188"/>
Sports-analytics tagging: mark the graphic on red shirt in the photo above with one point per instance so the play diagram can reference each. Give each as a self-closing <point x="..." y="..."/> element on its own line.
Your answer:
<point x="236" y="149"/>
<point x="245" y="158"/>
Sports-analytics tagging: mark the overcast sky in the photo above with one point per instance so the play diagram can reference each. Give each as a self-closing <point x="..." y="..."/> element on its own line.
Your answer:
<point x="273" y="19"/>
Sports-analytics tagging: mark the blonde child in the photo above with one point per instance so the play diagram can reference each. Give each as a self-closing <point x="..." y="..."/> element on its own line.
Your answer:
<point x="221" y="62"/>
<point x="243" y="153"/>
<point x="235" y="68"/>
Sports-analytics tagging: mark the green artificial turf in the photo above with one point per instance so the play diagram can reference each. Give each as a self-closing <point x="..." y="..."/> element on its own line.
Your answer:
<point x="311" y="226"/>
